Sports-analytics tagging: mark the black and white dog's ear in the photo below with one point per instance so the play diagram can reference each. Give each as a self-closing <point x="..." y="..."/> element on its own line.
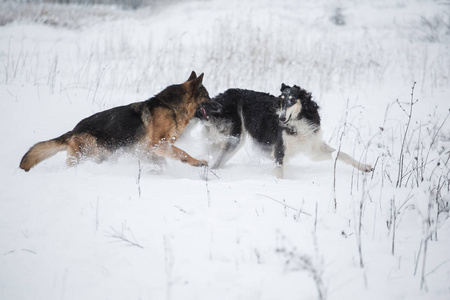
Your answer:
<point x="283" y="87"/>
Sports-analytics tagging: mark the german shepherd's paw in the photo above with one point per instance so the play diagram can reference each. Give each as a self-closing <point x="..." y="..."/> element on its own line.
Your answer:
<point x="200" y="163"/>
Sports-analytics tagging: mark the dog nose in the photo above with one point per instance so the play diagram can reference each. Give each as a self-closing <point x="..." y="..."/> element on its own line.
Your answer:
<point x="283" y="118"/>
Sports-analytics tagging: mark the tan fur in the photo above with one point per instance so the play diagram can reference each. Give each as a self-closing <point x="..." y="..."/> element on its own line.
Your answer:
<point x="39" y="152"/>
<point x="163" y="126"/>
<point x="163" y="130"/>
<point x="83" y="146"/>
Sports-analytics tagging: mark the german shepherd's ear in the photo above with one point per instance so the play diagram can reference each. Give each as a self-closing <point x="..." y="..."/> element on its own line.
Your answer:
<point x="197" y="82"/>
<point x="283" y="87"/>
<point x="193" y="85"/>
<point x="192" y="76"/>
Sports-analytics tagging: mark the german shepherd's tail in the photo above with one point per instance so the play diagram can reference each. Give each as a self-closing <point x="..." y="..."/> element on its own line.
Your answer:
<point x="44" y="150"/>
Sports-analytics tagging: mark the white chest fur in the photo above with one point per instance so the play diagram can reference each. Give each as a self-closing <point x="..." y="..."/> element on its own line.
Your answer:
<point x="305" y="139"/>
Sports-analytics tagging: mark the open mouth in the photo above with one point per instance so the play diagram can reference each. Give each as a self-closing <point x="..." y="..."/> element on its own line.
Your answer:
<point x="287" y="120"/>
<point x="209" y="110"/>
<point x="202" y="109"/>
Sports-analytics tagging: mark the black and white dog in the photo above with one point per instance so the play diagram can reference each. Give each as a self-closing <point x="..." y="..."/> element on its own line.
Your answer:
<point x="282" y="126"/>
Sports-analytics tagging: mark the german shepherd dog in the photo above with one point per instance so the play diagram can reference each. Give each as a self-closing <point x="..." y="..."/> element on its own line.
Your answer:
<point x="150" y="127"/>
<point x="282" y="126"/>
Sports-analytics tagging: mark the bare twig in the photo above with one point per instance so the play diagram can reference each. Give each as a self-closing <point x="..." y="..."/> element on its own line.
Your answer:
<point x="434" y="138"/>
<point x="297" y="262"/>
<point x="337" y="156"/>
<point x="315" y="217"/>
<point x="300" y="211"/>
<point x="394" y="219"/>
<point x="358" y="237"/>
<point x="418" y="256"/>
<point x="437" y="267"/>
<point x="30" y="251"/>
<point x="402" y="149"/>
<point x="120" y="235"/>
<point x="98" y="83"/>
<point x="138" y="180"/>
<point x="204" y="176"/>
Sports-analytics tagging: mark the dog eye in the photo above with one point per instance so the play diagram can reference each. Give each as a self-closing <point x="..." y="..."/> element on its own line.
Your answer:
<point x="290" y="97"/>
<point x="282" y="96"/>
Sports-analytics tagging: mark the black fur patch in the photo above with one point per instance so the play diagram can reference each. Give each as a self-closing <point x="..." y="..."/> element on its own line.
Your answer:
<point x="258" y="113"/>
<point x="123" y="126"/>
<point x="114" y="128"/>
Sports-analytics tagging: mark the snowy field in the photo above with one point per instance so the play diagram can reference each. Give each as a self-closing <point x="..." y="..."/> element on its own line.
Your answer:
<point x="117" y="230"/>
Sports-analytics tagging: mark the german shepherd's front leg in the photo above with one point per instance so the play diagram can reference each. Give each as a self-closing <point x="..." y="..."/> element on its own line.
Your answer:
<point x="167" y="149"/>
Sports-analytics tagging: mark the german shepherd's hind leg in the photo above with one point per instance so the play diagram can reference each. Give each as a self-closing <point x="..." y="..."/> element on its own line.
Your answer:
<point x="80" y="147"/>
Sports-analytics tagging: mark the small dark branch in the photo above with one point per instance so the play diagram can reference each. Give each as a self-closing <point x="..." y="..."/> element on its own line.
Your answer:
<point x="428" y="236"/>
<point x="423" y="283"/>
<point x="388" y="176"/>
<point x="434" y="139"/>
<point x="30" y="251"/>
<point x="204" y="172"/>
<point x="440" y="185"/>
<point x="437" y="267"/>
<point x="337" y="156"/>
<point x="301" y="210"/>
<point x="285" y="205"/>
<point x="138" y="181"/>
<point x="405" y="135"/>
<point x="204" y="176"/>
<point x="182" y="210"/>
<point x="214" y="173"/>
<point x="418" y="256"/>
<point x="334" y="172"/>
<point x="121" y="236"/>
<point x="393" y="225"/>
<point x="374" y="167"/>
<point x="98" y="83"/>
<point x="315" y="217"/>
<point x="361" y="262"/>
<point x="297" y="262"/>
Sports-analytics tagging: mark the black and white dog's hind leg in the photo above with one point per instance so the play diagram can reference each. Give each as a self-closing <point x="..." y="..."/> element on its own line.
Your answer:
<point x="225" y="140"/>
<point x="322" y="151"/>
<point x="227" y="150"/>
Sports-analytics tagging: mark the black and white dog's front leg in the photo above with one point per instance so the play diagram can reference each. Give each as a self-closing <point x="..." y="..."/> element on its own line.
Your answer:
<point x="279" y="157"/>
<point x="233" y="141"/>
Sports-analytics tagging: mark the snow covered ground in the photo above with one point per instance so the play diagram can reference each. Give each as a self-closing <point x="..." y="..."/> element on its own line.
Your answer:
<point x="118" y="231"/>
